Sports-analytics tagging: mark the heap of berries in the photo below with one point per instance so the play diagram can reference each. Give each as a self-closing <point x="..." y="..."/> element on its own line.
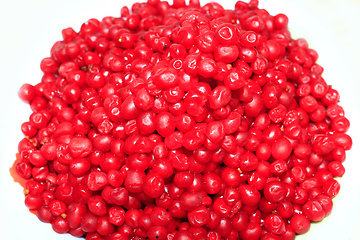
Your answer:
<point x="182" y="122"/>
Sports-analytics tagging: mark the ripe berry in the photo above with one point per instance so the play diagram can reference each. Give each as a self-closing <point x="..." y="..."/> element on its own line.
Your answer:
<point x="181" y="121"/>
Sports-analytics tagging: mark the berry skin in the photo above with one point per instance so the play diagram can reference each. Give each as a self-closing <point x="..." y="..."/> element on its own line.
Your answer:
<point x="181" y="121"/>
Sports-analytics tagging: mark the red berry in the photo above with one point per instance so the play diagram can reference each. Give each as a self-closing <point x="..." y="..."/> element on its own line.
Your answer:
<point x="27" y="93"/>
<point x="182" y="122"/>
<point x="300" y="224"/>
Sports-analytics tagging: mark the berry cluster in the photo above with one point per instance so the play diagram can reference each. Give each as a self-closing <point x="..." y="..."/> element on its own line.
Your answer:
<point x="182" y="122"/>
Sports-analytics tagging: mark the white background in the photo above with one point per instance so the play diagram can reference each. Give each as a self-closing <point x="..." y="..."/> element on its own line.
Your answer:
<point x="29" y="28"/>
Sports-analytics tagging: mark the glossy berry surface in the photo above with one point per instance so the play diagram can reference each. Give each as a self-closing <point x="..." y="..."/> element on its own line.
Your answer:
<point x="182" y="121"/>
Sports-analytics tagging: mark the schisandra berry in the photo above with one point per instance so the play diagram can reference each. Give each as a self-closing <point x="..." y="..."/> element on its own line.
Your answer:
<point x="182" y="122"/>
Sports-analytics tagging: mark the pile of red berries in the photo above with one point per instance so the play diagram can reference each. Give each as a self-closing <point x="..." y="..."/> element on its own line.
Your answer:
<point x="182" y="122"/>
